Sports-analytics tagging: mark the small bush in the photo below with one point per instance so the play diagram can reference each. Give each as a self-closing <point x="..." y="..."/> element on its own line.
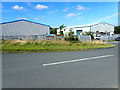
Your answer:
<point x="71" y="38"/>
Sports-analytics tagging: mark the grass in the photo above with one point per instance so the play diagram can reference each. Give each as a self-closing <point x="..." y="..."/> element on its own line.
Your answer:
<point x="10" y="46"/>
<point x="111" y="40"/>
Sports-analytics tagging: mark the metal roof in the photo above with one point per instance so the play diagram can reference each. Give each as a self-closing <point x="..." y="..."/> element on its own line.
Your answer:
<point x="24" y="20"/>
<point x="87" y="25"/>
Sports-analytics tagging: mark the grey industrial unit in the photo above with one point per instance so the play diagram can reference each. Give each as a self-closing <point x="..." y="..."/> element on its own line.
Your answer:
<point x="24" y="29"/>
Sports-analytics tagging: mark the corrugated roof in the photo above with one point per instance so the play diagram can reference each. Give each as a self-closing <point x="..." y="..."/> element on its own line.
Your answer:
<point x="87" y="25"/>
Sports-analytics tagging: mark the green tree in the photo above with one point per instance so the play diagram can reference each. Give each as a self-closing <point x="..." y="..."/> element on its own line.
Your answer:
<point x="61" y="27"/>
<point x="61" y="33"/>
<point x="70" y="32"/>
<point x="53" y="30"/>
<point x="71" y="36"/>
<point x="90" y="33"/>
<point x="117" y="30"/>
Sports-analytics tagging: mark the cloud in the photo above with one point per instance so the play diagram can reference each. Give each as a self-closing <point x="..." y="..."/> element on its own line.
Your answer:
<point x="17" y="7"/>
<point x="39" y="6"/>
<point x="72" y="14"/>
<point x="79" y="7"/>
<point x="107" y="17"/>
<point x="64" y="10"/>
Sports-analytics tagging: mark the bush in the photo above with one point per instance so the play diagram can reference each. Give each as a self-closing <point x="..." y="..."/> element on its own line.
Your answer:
<point x="71" y="38"/>
<point x="91" y="34"/>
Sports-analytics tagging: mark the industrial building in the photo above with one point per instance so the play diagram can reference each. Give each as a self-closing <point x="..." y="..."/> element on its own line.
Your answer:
<point x="99" y="29"/>
<point x="24" y="29"/>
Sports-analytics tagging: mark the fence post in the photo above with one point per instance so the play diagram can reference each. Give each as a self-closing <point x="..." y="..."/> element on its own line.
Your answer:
<point x="90" y="38"/>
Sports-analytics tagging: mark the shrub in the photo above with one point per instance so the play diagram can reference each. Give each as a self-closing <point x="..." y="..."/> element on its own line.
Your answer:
<point x="91" y="34"/>
<point x="71" y="38"/>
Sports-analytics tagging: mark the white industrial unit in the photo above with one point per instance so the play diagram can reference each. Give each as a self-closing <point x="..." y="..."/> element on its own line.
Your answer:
<point x="23" y="28"/>
<point x="98" y="28"/>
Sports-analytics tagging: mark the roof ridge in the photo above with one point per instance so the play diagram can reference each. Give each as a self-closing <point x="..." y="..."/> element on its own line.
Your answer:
<point x="24" y="20"/>
<point x="87" y="25"/>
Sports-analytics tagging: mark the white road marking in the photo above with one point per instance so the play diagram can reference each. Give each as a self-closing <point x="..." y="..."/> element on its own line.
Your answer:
<point x="70" y="61"/>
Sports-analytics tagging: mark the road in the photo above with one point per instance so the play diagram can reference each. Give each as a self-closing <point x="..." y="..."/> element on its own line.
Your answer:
<point x="77" y="69"/>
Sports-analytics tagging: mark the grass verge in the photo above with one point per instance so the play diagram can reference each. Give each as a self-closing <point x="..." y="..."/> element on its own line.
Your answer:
<point x="20" y="46"/>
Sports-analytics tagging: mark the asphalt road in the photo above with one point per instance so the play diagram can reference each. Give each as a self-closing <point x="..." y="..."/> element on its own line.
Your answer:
<point x="34" y="70"/>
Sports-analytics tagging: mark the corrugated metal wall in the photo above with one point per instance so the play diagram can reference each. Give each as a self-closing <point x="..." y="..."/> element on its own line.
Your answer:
<point x="102" y="28"/>
<point x="24" y="28"/>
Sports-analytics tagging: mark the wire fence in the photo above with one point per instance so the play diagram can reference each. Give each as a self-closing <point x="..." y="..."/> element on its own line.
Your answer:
<point x="24" y="37"/>
<point x="44" y="37"/>
<point x="31" y="37"/>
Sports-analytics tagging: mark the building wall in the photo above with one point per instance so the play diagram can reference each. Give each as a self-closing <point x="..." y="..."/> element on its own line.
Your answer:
<point x="67" y="30"/>
<point x="103" y="27"/>
<point x="84" y="29"/>
<point x="24" y="28"/>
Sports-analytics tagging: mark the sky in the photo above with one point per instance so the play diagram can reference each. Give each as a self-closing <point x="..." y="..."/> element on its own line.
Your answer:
<point x="58" y="13"/>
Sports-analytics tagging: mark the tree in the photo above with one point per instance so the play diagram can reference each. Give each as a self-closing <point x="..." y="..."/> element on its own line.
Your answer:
<point x="53" y="30"/>
<point x="61" y="33"/>
<point x="71" y="32"/>
<point x="90" y="33"/>
<point x="117" y="30"/>
<point x="70" y="36"/>
<point x="61" y="27"/>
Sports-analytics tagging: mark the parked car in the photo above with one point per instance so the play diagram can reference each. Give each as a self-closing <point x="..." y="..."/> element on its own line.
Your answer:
<point x="97" y="38"/>
<point x="117" y="39"/>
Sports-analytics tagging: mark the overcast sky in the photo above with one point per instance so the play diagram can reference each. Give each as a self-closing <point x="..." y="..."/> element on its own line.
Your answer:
<point x="57" y="13"/>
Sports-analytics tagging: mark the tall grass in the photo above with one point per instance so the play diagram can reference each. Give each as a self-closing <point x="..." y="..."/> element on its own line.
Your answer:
<point x="55" y="45"/>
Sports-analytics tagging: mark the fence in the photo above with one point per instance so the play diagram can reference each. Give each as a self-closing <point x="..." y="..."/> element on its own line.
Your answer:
<point x="44" y="37"/>
<point x="54" y="37"/>
<point x="23" y="37"/>
<point x="32" y="37"/>
<point x="103" y="38"/>
<point x="112" y="37"/>
<point x="84" y="38"/>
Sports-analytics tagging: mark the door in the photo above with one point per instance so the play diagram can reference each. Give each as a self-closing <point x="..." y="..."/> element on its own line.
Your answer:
<point x="78" y="32"/>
